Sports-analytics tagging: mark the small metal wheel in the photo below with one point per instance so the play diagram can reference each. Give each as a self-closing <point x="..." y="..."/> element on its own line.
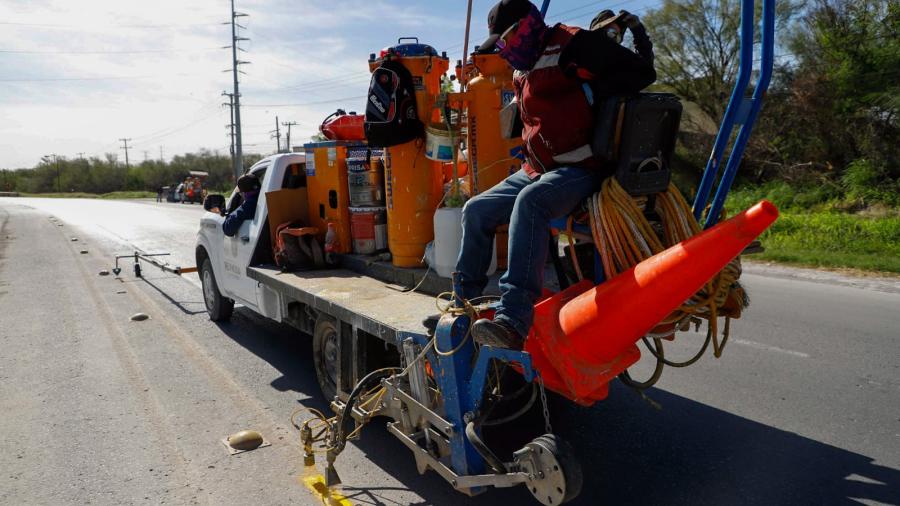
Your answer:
<point x="326" y="354"/>
<point x="558" y="477"/>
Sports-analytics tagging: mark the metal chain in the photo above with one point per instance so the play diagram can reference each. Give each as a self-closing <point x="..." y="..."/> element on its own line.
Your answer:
<point x="545" y="405"/>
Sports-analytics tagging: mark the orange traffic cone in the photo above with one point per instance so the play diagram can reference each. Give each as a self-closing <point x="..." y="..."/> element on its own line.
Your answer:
<point x="597" y="330"/>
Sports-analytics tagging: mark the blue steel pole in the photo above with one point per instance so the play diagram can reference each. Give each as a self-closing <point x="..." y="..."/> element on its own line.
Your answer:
<point x="544" y="8"/>
<point x="737" y="96"/>
<point x="762" y="84"/>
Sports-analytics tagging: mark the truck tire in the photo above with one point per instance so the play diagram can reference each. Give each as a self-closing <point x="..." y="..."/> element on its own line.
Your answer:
<point x="218" y="307"/>
<point x="326" y="356"/>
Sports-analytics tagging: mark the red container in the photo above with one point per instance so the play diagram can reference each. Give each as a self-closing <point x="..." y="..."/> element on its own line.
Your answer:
<point x="368" y="229"/>
<point x="340" y="126"/>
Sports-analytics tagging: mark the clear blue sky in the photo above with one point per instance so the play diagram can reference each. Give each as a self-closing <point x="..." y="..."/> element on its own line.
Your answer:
<point x="77" y="76"/>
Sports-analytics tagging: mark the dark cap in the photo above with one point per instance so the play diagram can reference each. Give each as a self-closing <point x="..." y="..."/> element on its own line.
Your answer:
<point x="248" y="183"/>
<point x="602" y="16"/>
<point x="501" y="17"/>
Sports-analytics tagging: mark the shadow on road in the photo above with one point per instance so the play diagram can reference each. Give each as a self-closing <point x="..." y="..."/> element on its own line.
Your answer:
<point x="687" y="453"/>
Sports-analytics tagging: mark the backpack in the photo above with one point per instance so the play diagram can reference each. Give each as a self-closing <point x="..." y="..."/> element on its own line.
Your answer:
<point x="391" y="114"/>
<point x="296" y="248"/>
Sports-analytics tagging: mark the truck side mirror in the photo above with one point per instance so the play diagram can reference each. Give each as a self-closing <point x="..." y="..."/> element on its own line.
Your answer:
<point x="214" y="201"/>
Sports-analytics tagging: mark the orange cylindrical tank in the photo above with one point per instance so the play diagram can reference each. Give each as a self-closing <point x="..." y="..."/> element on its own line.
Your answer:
<point x="492" y="158"/>
<point x="328" y="189"/>
<point x="413" y="183"/>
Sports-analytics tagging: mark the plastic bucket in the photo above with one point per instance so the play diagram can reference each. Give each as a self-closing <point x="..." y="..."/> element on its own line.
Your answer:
<point x="438" y="145"/>
<point x="368" y="229"/>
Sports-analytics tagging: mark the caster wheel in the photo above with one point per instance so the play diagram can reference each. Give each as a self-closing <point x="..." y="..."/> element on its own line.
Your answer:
<point x="558" y="478"/>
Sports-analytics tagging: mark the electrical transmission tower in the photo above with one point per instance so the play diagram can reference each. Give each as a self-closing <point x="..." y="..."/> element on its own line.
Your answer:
<point x="287" y="144"/>
<point x="230" y="125"/>
<point x="235" y="63"/>
<point x="276" y="134"/>
<point x="125" y="147"/>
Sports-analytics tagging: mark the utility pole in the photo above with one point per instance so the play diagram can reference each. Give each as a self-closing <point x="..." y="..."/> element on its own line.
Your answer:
<point x="55" y="158"/>
<point x="81" y="155"/>
<point x="230" y="125"/>
<point x="276" y="134"/>
<point x="287" y="144"/>
<point x="125" y="147"/>
<point x="235" y="63"/>
<point x="146" y="155"/>
<point x="161" y="158"/>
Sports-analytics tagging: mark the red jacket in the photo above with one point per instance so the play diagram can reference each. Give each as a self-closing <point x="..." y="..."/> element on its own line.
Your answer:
<point x="557" y="118"/>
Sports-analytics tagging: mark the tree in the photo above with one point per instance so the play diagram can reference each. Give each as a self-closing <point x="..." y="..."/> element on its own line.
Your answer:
<point x="697" y="43"/>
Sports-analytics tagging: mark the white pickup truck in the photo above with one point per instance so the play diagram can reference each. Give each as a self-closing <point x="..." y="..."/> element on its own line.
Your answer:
<point x="357" y="321"/>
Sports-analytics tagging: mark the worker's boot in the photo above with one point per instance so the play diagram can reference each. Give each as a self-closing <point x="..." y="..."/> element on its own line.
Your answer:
<point x="497" y="333"/>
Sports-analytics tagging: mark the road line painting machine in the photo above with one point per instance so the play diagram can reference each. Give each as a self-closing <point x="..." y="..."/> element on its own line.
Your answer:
<point x="583" y="337"/>
<point x="439" y="389"/>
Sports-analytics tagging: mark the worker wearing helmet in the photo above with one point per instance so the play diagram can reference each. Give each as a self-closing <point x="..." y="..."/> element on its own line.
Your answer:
<point x="552" y="64"/>
<point x="248" y="186"/>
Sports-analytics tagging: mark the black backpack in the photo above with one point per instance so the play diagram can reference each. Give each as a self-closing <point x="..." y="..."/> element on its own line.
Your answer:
<point x="391" y="114"/>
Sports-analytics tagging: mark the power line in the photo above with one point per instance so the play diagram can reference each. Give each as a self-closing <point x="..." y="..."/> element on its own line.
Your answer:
<point x="307" y="103"/>
<point x="108" y="26"/>
<point x="103" y="78"/>
<point x="92" y="52"/>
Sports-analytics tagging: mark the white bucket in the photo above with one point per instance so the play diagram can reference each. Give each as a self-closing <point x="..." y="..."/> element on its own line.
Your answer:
<point x="448" y="240"/>
<point x="438" y="145"/>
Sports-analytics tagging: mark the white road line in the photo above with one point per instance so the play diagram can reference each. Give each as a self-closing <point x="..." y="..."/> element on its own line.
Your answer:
<point x="766" y="347"/>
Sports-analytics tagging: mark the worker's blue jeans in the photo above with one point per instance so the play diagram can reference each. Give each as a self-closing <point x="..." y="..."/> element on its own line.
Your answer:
<point x="528" y="206"/>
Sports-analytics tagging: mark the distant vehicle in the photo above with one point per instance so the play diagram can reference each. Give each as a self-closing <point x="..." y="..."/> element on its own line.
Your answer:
<point x="173" y="192"/>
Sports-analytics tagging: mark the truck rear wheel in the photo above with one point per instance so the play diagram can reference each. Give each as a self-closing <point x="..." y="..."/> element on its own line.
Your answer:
<point x="326" y="354"/>
<point x="218" y="307"/>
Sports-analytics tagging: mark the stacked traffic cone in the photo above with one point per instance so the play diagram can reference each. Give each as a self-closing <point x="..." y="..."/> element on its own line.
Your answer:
<point x="588" y="335"/>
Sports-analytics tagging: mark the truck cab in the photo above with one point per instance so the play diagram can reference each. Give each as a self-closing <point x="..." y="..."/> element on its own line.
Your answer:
<point x="223" y="260"/>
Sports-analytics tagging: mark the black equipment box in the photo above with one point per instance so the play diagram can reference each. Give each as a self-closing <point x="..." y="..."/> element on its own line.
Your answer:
<point x="636" y="135"/>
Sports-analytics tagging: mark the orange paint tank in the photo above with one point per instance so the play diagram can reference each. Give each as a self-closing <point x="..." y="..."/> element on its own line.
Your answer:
<point x="490" y="88"/>
<point x="413" y="183"/>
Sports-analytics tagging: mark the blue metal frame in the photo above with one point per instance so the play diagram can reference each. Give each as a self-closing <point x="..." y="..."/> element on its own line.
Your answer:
<point x="740" y="111"/>
<point x="461" y="381"/>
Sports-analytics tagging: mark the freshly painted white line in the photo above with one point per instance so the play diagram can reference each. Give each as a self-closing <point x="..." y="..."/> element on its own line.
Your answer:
<point x="766" y="347"/>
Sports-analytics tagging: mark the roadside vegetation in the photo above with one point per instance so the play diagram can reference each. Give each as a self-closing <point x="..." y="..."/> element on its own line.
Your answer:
<point x="107" y="196"/>
<point x="826" y="147"/>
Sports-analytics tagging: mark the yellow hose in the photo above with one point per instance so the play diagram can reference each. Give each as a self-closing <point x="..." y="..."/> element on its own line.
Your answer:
<point x="624" y="237"/>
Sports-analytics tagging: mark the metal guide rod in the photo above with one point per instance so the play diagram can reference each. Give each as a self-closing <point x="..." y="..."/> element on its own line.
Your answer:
<point x="739" y="111"/>
<point x="150" y="259"/>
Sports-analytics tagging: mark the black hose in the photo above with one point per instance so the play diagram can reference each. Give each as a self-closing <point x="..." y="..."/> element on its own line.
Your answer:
<point x="506" y="419"/>
<point x="492" y="461"/>
<point x="657" y="372"/>
<point x="346" y="414"/>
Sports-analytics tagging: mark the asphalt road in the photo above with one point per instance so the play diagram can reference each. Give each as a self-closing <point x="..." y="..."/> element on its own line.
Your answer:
<point x="803" y="408"/>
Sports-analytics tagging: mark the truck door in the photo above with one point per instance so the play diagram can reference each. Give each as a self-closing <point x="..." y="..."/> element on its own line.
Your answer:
<point x="238" y="251"/>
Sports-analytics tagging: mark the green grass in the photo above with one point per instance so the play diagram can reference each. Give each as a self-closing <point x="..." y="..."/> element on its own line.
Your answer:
<point x="80" y="195"/>
<point x="834" y="240"/>
<point x="823" y="226"/>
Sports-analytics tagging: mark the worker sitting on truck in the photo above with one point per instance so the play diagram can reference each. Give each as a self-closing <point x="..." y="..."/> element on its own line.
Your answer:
<point x="248" y="188"/>
<point x="552" y="64"/>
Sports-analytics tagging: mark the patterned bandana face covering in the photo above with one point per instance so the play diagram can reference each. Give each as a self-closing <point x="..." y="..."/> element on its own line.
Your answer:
<point x="523" y="48"/>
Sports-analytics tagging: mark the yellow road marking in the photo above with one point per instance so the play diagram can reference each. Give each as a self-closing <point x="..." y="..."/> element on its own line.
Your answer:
<point x="315" y="482"/>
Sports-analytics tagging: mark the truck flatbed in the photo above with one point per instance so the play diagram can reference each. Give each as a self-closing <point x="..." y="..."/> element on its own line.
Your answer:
<point x="381" y="309"/>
